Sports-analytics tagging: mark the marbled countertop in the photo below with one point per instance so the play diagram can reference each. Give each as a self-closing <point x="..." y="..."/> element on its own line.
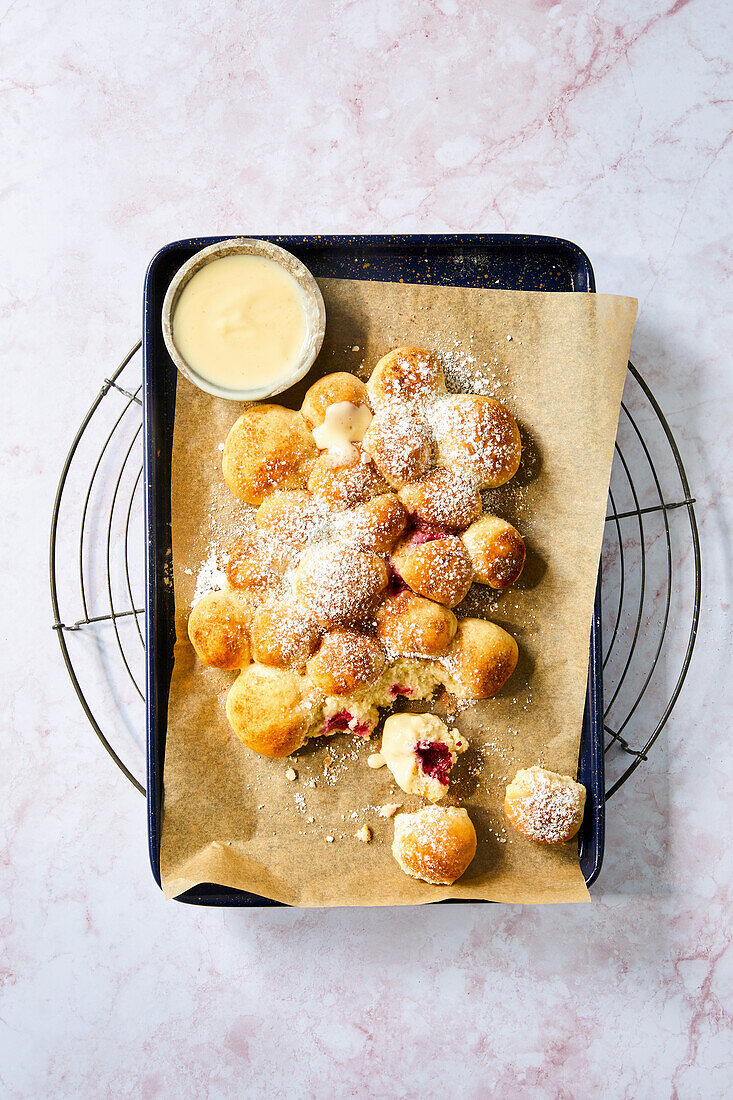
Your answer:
<point x="126" y="126"/>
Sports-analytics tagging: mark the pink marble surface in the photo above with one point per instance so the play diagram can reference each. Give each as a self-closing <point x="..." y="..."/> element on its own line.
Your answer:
<point x="129" y="125"/>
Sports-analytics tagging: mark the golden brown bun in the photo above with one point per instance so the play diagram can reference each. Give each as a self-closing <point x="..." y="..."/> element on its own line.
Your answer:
<point x="345" y="662"/>
<point x="478" y="437"/>
<point x="479" y="661"/>
<point x="255" y="563"/>
<point x="497" y="551"/>
<point x="439" y="570"/>
<point x="284" y="635"/>
<point x="269" y="710"/>
<point x="409" y="625"/>
<point x="218" y="630"/>
<point x="347" y="484"/>
<point x="442" y="499"/>
<point x="375" y="525"/>
<point x="405" y="374"/>
<point x="268" y="448"/>
<point x="289" y="515"/>
<point x="435" y="844"/>
<point x="400" y="444"/>
<point x="544" y="806"/>
<point x="340" y="584"/>
<point x="331" y="390"/>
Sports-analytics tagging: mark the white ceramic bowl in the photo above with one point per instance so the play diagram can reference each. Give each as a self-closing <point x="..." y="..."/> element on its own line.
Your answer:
<point x="314" y="308"/>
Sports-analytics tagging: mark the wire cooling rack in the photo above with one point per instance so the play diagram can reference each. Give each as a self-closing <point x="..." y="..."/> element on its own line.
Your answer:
<point x="651" y="575"/>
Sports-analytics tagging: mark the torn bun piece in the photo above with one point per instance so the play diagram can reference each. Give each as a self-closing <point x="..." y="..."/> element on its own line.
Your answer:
<point x="218" y="628"/>
<point x="420" y="750"/>
<point x="435" y="845"/>
<point x="544" y="806"/>
<point x="479" y="660"/>
<point x="497" y="552"/>
<point x="269" y="447"/>
<point x="435" y="566"/>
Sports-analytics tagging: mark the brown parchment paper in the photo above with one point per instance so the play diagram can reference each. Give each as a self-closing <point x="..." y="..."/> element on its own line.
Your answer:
<point x="234" y="818"/>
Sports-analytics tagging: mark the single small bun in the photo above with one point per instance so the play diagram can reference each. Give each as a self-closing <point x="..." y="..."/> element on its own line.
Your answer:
<point x="439" y="568"/>
<point x="284" y="635"/>
<point x="256" y="563"/>
<point x="496" y="550"/>
<point x="331" y="390"/>
<point x="375" y="525"/>
<point x="400" y="444"/>
<point x="218" y="630"/>
<point x="442" y="499"/>
<point x="544" y="806"/>
<point x="435" y="845"/>
<point x="479" y="661"/>
<point x="405" y="374"/>
<point x="477" y="437"/>
<point x="268" y="448"/>
<point x="345" y="661"/>
<point x="411" y="626"/>
<point x="339" y="584"/>
<point x="290" y="516"/>
<point x="270" y="711"/>
<point x="347" y="484"/>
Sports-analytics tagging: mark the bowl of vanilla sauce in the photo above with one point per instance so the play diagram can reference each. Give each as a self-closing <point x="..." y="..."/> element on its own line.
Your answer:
<point x="243" y="319"/>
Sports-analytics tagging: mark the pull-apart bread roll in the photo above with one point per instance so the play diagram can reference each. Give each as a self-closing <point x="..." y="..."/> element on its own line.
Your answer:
<point x="347" y="484"/>
<point x="442" y="499"/>
<point x="290" y="516"/>
<point x="256" y="563"/>
<point x="332" y="390"/>
<point x="420" y="751"/>
<point x="496" y="550"/>
<point x="218" y="630"/>
<point x="411" y="626"/>
<point x="284" y="635"/>
<point x="268" y="448"/>
<point x="478" y="438"/>
<point x="346" y="661"/>
<point x="435" y="845"/>
<point x="544" y="806"/>
<point x="339" y="584"/>
<point x="438" y="568"/>
<point x="406" y="374"/>
<point x="400" y="444"/>
<point x="271" y="711"/>
<point x="479" y="661"/>
<point x="375" y="525"/>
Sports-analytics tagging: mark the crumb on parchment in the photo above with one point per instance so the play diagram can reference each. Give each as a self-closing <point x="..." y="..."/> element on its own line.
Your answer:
<point x="364" y="834"/>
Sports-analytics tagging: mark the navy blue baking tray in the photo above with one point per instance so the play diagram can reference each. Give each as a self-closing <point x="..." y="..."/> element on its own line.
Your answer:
<point x="497" y="261"/>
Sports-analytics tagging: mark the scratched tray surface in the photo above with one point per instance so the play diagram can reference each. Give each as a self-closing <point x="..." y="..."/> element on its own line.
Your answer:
<point x="503" y="262"/>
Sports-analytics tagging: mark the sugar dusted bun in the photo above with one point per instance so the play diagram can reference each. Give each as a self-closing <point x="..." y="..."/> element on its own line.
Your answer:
<point x="496" y="550"/>
<point x="544" y="806"/>
<point x="331" y="390"/>
<point x="255" y="563"/>
<point x="400" y="444"/>
<point x="435" y="845"/>
<point x="345" y="661"/>
<point x="347" y="484"/>
<point x="405" y="374"/>
<point x="290" y="515"/>
<point x="218" y="630"/>
<point x="284" y="635"/>
<point x="420" y="751"/>
<point x="439" y="569"/>
<point x="479" y="661"/>
<point x="268" y="448"/>
<point x="442" y="499"/>
<point x="270" y="711"/>
<point x="339" y="584"/>
<point x="477" y="437"/>
<point x="409" y="625"/>
<point x="375" y="525"/>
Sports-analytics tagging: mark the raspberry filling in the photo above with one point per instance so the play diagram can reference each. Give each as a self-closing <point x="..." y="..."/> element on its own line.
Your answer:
<point x="395" y="583"/>
<point x="427" y="534"/>
<point x="340" y="723"/>
<point x="400" y="689"/>
<point x="434" y="760"/>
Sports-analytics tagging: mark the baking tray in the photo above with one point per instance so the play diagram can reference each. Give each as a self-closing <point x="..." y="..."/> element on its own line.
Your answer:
<point x="496" y="261"/>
